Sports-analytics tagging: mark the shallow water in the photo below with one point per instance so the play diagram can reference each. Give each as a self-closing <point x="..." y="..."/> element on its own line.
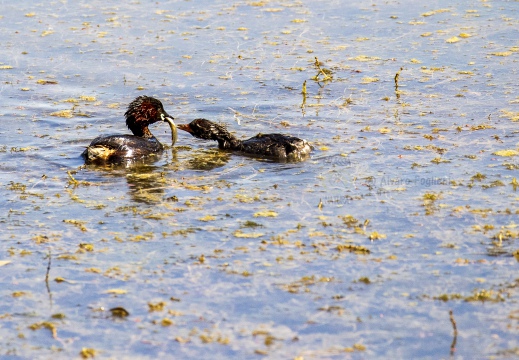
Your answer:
<point x="406" y="210"/>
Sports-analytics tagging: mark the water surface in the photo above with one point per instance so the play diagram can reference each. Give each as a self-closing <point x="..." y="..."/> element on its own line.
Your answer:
<point x="406" y="211"/>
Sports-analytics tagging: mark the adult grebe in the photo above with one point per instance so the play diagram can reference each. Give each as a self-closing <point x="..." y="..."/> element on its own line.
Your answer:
<point x="142" y="112"/>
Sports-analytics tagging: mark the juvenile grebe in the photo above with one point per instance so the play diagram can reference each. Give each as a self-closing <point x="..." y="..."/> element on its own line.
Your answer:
<point x="142" y="112"/>
<point x="277" y="146"/>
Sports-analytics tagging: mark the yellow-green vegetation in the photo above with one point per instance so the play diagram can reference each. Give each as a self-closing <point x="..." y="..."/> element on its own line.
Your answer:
<point x="158" y="306"/>
<point x="87" y="353"/>
<point x="477" y="296"/>
<point x="357" y="249"/>
<point x="46" y="325"/>
<point x="119" y="312"/>
<point x="303" y="284"/>
<point x="78" y="223"/>
<point x="323" y="74"/>
<point x="267" y="213"/>
<point x="240" y="234"/>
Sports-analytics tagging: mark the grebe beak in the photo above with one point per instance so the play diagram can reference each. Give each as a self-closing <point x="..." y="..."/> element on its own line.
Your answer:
<point x="174" y="132"/>
<point x="185" y="127"/>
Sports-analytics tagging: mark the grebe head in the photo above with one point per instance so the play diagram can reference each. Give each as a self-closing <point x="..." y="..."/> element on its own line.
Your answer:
<point x="144" y="111"/>
<point x="205" y="129"/>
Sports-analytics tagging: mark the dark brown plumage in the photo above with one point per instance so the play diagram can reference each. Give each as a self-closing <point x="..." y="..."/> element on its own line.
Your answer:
<point x="276" y="146"/>
<point x="142" y="112"/>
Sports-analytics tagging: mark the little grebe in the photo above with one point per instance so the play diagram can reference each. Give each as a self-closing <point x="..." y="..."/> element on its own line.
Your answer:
<point x="142" y="112"/>
<point x="277" y="146"/>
